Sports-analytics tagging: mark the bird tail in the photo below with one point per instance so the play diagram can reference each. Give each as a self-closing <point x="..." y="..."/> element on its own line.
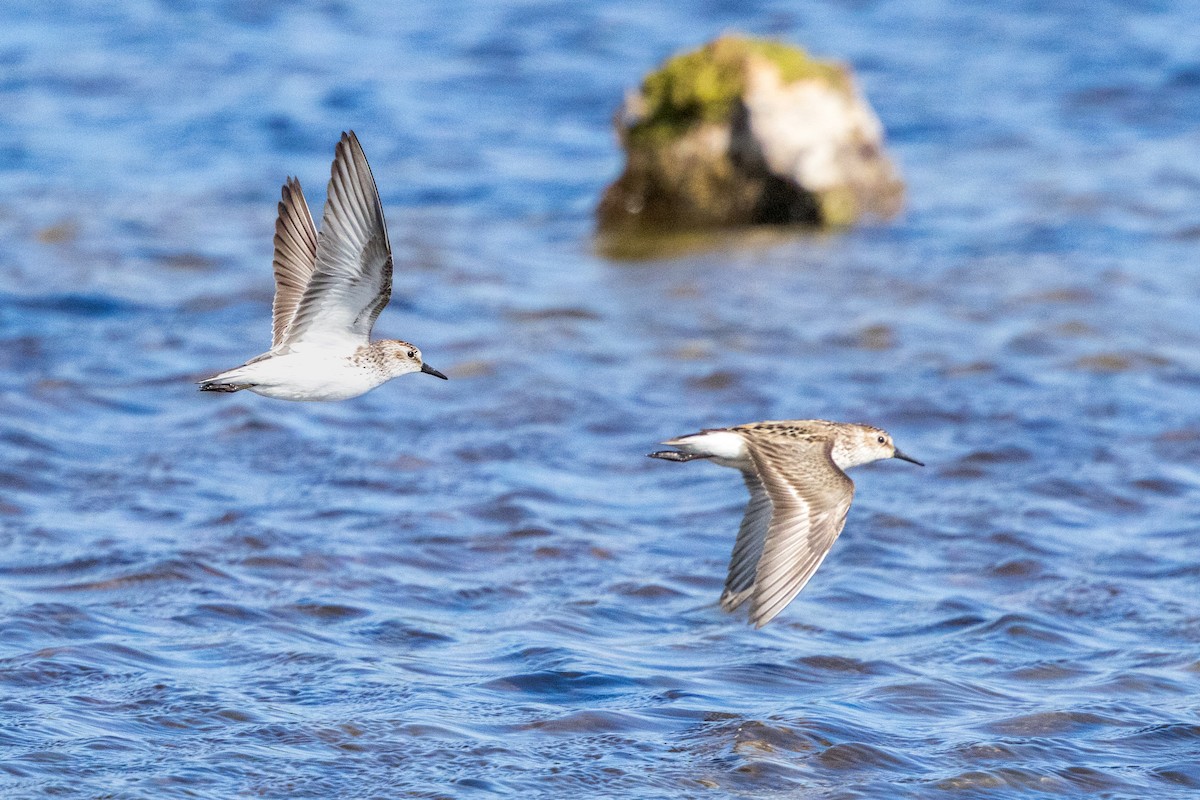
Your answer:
<point x="675" y="455"/>
<point x="228" y="381"/>
<point x="718" y="443"/>
<point x="211" y="385"/>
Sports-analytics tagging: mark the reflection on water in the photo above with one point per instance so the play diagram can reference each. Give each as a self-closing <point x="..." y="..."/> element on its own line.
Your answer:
<point x="483" y="586"/>
<point x="643" y="245"/>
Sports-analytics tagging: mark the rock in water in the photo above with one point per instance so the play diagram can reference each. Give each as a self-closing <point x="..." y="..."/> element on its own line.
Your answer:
<point x="748" y="131"/>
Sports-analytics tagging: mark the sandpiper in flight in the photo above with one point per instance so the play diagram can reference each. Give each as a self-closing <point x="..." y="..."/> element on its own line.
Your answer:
<point x="329" y="290"/>
<point x="799" y="497"/>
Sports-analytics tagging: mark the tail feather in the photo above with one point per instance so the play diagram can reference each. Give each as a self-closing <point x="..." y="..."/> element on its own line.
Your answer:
<point x="216" y="386"/>
<point x="721" y="444"/>
<point x="675" y="455"/>
<point x="231" y="380"/>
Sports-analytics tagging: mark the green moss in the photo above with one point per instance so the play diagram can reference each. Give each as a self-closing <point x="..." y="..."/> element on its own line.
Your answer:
<point x="703" y="85"/>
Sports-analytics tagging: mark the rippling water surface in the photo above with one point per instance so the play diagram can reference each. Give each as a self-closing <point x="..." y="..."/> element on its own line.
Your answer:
<point x="482" y="586"/>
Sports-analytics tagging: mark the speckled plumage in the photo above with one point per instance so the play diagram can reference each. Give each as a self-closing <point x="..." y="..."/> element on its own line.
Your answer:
<point x="799" y="498"/>
<point x="329" y="290"/>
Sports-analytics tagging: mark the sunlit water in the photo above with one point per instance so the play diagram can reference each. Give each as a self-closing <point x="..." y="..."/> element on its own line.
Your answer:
<point x="482" y="586"/>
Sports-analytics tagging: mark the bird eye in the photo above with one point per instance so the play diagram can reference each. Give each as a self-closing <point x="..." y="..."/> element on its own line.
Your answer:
<point x="413" y="354"/>
<point x="882" y="440"/>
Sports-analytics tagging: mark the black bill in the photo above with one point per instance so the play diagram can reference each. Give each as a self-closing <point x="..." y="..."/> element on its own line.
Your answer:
<point x="428" y="370"/>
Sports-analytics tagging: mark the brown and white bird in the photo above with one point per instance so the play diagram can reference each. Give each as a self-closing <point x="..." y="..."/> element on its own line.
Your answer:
<point x="329" y="290"/>
<point x="799" y="497"/>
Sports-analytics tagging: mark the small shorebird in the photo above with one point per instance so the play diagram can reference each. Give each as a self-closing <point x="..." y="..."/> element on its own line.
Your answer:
<point x="799" y="497"/>
<point x="329" y="290"/>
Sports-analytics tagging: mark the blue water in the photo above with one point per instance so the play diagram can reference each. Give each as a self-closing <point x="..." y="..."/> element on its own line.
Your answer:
<point x="482" y="587"/>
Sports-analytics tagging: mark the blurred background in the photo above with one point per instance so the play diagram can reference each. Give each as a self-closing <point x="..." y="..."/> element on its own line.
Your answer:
<point x="482" y="586"/>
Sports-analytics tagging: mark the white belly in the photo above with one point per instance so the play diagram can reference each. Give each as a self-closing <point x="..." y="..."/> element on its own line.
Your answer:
<point x="307" y="376"/>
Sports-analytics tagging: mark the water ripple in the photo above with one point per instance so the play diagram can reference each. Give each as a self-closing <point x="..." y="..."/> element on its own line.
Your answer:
<point x="483" y="586"/>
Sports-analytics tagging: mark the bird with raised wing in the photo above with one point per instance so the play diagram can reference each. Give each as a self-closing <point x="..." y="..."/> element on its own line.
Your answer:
<point x="799" y="497"/>
<point x="329" y="290"/>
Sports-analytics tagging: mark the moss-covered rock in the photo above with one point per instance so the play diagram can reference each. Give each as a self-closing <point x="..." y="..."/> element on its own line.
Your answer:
<point x="706" y="84"/>
<point x="748" y="131"/>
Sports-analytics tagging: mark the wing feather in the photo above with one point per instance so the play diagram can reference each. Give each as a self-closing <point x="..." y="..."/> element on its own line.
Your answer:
<point x="295" y="257"/>
<point x="352" y="279"/>
<point x="747" y="549"/>
<point x="810" y="497"/>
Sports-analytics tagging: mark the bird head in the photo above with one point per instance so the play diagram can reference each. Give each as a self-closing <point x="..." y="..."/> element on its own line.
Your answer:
<point x="862" y="444"/>
<point x="402" y="358"/>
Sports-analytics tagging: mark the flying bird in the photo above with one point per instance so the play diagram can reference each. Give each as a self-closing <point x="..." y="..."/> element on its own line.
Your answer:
<point x="799" y="497"/>
<point x="329" y="290"/>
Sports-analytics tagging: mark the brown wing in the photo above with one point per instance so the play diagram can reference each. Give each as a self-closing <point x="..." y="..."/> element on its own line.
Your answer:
<point x="352" y="280"/>
<point x="810" y="497"/>
<point x="743" y="563"/>
<point x="295" y="257"/>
